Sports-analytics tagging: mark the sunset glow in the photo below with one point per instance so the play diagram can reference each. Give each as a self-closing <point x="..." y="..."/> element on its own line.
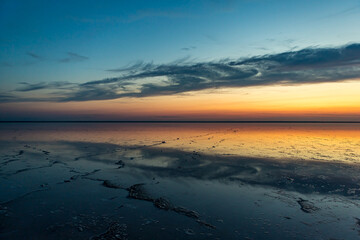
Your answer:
<point x="201" y="61"/>
<point x="339" y="101"/>
<point x="179" y="120"/>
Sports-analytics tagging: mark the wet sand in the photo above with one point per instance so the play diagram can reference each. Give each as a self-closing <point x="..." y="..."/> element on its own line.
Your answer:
<point x="179" y="181"/>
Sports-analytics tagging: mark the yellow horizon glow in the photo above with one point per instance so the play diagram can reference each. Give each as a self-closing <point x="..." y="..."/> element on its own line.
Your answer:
<point x="331" y="142"/>
<point x="318" y="100"/>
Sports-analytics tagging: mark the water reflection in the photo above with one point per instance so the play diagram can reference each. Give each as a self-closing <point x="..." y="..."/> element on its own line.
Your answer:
<point x="249" y="176"/>
<point x="316" y="141"/>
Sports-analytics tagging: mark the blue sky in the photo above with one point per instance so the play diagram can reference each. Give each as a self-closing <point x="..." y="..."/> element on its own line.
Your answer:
<point x="37" y="35"/>
<point x="80" y="51"/>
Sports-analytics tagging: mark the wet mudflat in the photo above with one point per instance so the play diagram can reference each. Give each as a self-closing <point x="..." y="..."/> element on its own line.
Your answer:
<point x="179" y="181"/>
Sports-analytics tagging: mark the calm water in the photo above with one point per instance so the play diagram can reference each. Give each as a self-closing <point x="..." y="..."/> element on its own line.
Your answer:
<point x="179" y="181"/>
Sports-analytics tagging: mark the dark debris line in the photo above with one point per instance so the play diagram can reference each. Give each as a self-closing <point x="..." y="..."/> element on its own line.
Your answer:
<point x="137" y="191"/>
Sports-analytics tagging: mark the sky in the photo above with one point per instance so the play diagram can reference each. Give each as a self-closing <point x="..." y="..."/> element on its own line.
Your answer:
<point x="246" y="60"/>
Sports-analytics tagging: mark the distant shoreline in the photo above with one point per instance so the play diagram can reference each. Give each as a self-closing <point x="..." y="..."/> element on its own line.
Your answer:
<point x="179" y="122"/>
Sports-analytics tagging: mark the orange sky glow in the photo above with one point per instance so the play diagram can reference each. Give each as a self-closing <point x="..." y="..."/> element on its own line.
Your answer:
<point x="337" y="101"/>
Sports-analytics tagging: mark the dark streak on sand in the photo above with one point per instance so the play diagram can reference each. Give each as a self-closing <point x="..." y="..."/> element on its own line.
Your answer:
<point x="307" y="206"/>
<point x="137" y="191"/>
<point x="110" y="184"/>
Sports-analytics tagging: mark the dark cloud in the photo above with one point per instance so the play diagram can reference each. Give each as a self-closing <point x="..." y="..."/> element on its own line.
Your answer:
<point x="309" y="58"/>
<point x="7" y="98"/>
<point x="26" y="87"/>
<point x="4" y="97"/>
<point x="70" y="57"/>
<point x="93" y="92"/>
<point x="138" y="66"/>
<point x="310" y="65"/>
<point x="188" y="48"/>
<point x="35" y="56"/>
<point x="31" y="87"/>
<point x="73" y="57"/>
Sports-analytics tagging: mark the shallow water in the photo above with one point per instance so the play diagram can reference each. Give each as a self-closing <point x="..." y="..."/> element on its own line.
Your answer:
<point x="199" y="181"/>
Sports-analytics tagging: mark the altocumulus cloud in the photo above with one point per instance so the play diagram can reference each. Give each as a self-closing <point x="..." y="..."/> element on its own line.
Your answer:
<point x="310" y="65"/>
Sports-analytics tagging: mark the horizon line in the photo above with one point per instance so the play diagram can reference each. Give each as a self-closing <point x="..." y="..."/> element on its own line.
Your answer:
<point x="175" y="121"/>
